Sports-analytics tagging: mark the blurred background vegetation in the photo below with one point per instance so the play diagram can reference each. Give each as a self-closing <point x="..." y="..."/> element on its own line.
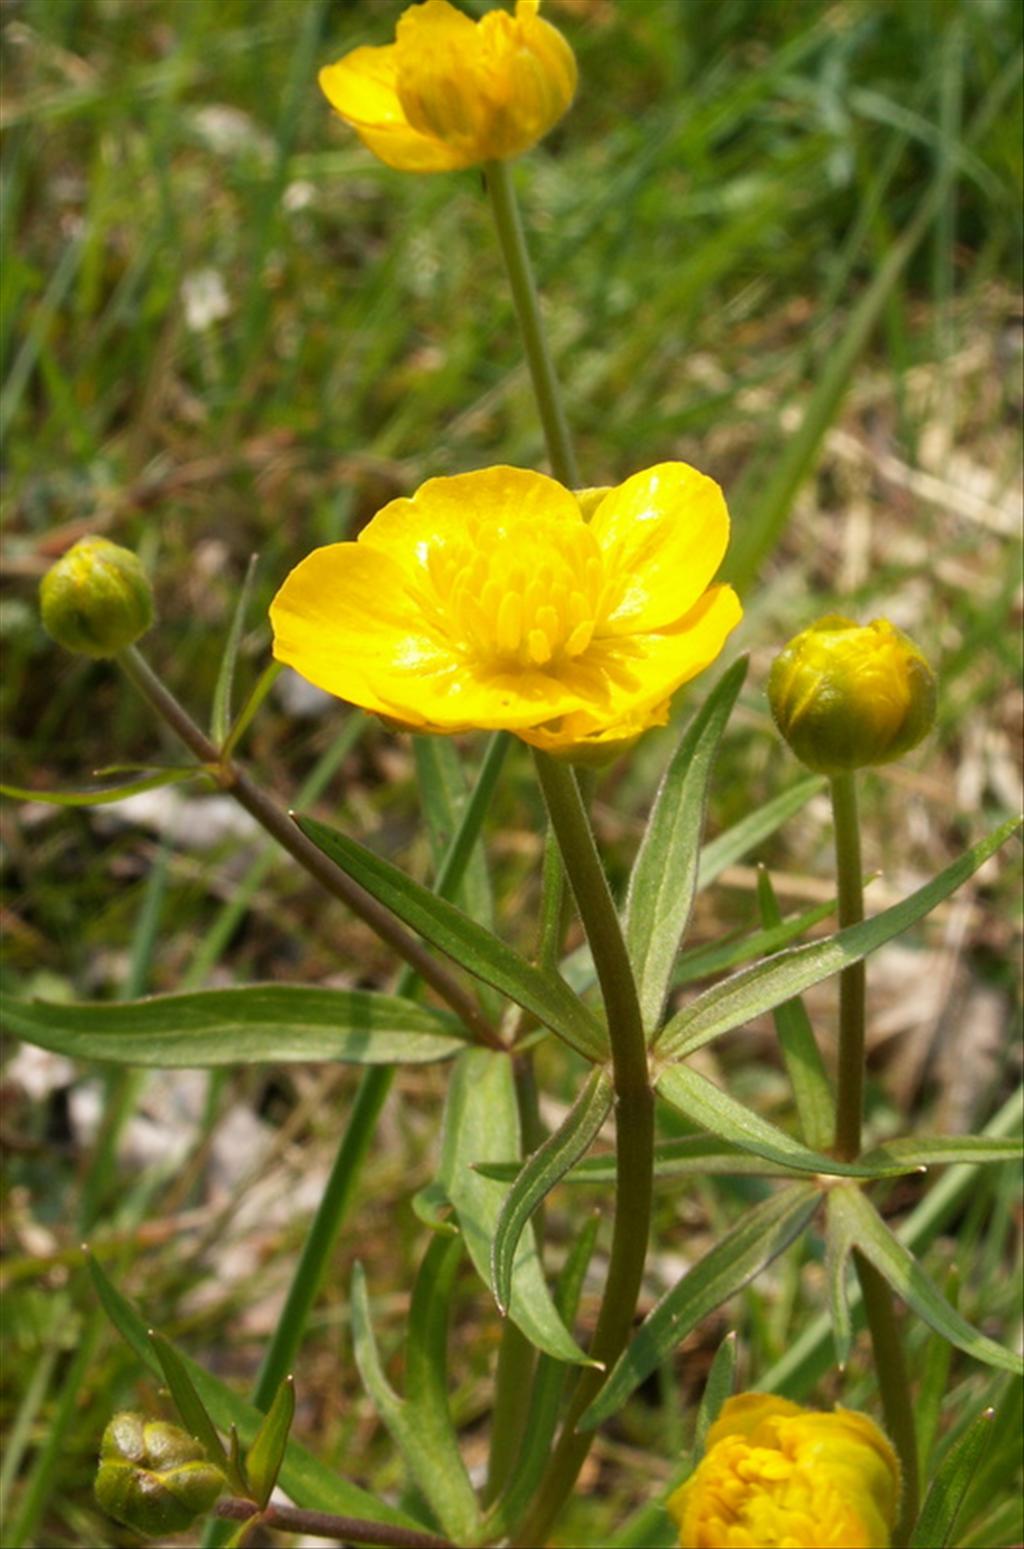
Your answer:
<point x="777" y="238"/>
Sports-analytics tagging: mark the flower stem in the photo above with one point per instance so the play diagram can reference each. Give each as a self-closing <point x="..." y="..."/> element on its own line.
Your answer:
<point x="886" y="1341"/>
<point x="634" y="1124"/>
<point x="279" y="825"/>
<point x="498" y="175"/>
<point x="850" y="1080"/>
<point x="322" y="1524"/>
<point x="894" y="1385"/>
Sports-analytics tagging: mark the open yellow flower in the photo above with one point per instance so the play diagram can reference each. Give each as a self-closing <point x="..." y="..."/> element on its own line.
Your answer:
<point x="451" y="92"/>
<point x="488" y="600"/>
<point x="775" y="1474"/>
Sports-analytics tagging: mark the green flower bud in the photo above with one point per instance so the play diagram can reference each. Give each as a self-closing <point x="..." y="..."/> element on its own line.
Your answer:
<point x="96" y="599"/>
<point x="845" y="696"/>
<point x="153" y="1476"/>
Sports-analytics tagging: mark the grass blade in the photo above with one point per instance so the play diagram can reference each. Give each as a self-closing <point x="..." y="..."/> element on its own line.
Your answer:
<point x="220" y="714"/>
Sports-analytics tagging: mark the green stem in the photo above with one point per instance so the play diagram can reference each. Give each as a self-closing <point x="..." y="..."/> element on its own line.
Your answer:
<point x="280" y="826"/>
<point x="886" y="1341"/>
<point x="894" y="1385"/>
<point x="512" y="240"/>
<point x="850" y="1076"/>
<point x="634" y="1122"/>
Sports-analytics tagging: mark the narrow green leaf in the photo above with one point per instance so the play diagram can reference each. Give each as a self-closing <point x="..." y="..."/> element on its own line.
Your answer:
<point x="707" y="1105"/>
<point x="193" y="1411"/>
<point x="720" y="1383"/>
<point x="937" y="1523"/>
<point x="769" y="984"/>
<point x="744" y="836"/>
<point x="686" y="1156"/>
<point x="548" y="1164"/>
<point x="717" y="956"/>
<point x="735" y="1259"/>
<point x="272" y="1023"/>
<point x="102" y="796"/>
<point x="306" y="1480"/>
<point x="549" y="1384"/>
<point x="265" y="1456"/>
<point x="220" y="715"/>
<point x="930" y="1150"/>
<point x="466" y="942"/>
<point x="254" y="699"/>
<point x="870" y="1234"/>
<point x="425" y="1439"/>
<point x="481" y="1124"/>
<point x="664" y="877"/>
<point x="812" y="1090"/>
<point x="441" y="786"/>
<point x="838" y="1246"/>
<point x="432" y="1206"/>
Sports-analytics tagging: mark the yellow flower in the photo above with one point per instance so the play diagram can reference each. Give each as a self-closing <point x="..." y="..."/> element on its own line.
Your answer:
<point x="845" y="696"/>
<point x="774" y="1474"/>
<point x="488" y="600"/>
<point x="451" y="92"/>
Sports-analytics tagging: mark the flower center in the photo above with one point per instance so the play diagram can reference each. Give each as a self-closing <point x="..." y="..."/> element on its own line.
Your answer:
<point x="525" y="594"/>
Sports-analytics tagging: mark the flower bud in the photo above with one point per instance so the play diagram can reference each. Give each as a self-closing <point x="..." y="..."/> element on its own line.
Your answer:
<point x="153" y="1476"/>
<point x="845" y="696"/>
<point x="774" y="1473"/>
<point x="96" y="599"/>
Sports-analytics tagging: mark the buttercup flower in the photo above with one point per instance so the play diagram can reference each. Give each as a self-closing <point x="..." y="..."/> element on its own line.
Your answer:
<point x="844" y="696"/>
<point x="488" y="600"/>
<point x="776" y="1474"/>
<point x="451" y="92"/>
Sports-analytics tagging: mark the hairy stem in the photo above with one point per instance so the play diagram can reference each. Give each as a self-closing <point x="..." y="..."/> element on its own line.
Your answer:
<point x="634" y="1128"/>
<point x="524" y="293"/>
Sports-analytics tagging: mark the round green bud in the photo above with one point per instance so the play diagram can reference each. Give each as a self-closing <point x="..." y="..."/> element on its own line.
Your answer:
<point x="153" y="1476"/>
<point x="845" y="696"/>
<point x="96" y="599"/>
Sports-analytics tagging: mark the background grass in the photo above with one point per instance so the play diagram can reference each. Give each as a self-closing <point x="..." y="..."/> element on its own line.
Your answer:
<point x="776" y="238"/>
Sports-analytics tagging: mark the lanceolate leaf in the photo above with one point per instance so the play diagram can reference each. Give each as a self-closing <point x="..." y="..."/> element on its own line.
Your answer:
<point x="937" y="1522"/>
<point x="717" y="956"/>
<point x="220" y="714"/>
<point x="869" y="1233"/>
<point x="931" y="1150"/>
<point x="307" y="1481"/>
<point x="192" y="1410"/>
<point x="549" y="1163"/>
<point x="769" y="984"/>
<point x="664" y="878"/>
<point x="102" y="796"/>
<point x="274" y="1023"/>
<point x="804" y="1065"/>
<point x="452" y="932"/>
<point x="686" y="1156"/>
<point x="481" y="1124"/>
<point x="734" y="1260"/>
<point x="265" y="1456"/>
<point x="420" y="1424"/>
<point x="838" y="1246"/>
<point x="720" y="1383"/>
<point x="707" y="1105"/>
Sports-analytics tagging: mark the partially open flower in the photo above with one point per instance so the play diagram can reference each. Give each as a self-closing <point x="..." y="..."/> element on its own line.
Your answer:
<point x="845" y="696"/>
<point x="488" y="600"/>
<point x="153" y="1476"/>
<point x="451" y="92"/>
<point x="96" y="599"/>
<point x="774" y="1474"/>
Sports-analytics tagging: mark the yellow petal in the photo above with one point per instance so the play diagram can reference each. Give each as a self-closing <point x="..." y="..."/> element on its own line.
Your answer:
<point x="640" y="673"/>
<point x="344" y="620"/>
<point x="664" y="533"/>
<point x="454" y="510"/>
<point x="361" y="87"/>
<point x="744" y="1413"/>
